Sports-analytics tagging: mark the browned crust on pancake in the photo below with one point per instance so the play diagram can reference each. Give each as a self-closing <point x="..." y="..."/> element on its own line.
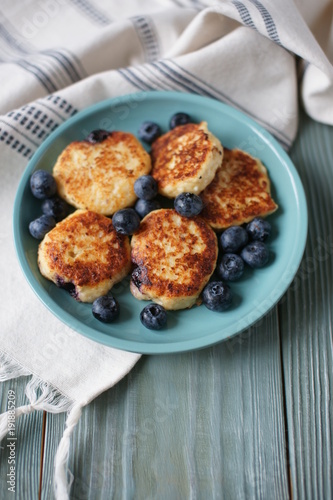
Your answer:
<point x="110" y="250"/>
<point x="243" y="189"/>
<point x="153" y="247"/>
<point x="89" y="176"/>
<point x="186" y="160"/>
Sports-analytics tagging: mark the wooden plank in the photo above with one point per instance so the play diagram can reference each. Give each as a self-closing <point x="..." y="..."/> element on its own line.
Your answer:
<point x="306" y="323"/>
<point x="206" y="424"/>
<point x="27" y="449"/>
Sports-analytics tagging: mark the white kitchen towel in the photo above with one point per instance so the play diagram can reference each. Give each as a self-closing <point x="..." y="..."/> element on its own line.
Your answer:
<point x="60" y="56"/>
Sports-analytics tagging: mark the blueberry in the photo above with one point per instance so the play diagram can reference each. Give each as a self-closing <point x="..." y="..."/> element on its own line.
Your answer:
<point x="68" y="286"/>
<point x="105" y="309"/>
<point x="259" y="229"/>
<point x="149" y="132"/>
<point x="217" y="296"/>
<point x="231" y="267"/>
<point x="188" y="204"/>
<point x="233" y="239"/>
<point x="126" y="221"/>
<point x="153" y="317"/>
<point x="255" y="254"/>
<point x="98" y="136"/>
<point x="144" y="207"/>
<point x="179" y="119"/>
<point x="39" y="227"/>
<point x="42" y="184"/>
<point x="145" y="187"/>
<point x="56" y="207"/>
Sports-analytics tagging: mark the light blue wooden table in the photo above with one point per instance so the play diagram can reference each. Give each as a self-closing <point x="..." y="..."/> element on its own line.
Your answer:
<point x="246" y="419"/>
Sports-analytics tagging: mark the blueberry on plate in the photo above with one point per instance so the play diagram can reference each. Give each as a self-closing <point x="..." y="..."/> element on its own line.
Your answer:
<point x="231" y="267"/>
<point x="56" y="207"/>
<point x="145" y="187"/>
<point x="179" y="119"/>
<point x="255" y="254"/>
<point x="233" y="239"/>
<point x="153" y="317"/>
<point x="144" y="207"/>
<point x="259" y="229"/>
<point x="105" y="308"/>
<point x="149" y="132"/>
<point x="43" y="184"/>
<point x="217" y="296"/>
<point x="38" y="228"/>
<point x="98" y="136"/>
<point x="188" y="204"/>
<point x="126" y="221"/>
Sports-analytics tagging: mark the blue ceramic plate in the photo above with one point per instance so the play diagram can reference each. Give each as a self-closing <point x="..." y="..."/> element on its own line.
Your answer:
<point x="255" y="294"/>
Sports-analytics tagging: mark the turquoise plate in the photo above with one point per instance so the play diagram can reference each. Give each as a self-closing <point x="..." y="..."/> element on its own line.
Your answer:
<point x="255" y="294"/>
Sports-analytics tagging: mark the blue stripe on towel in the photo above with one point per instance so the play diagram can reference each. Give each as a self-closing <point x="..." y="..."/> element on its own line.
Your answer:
<point x="179" y="79"/>
<point x="244" y="14"/>
<point x="25" y="57"/>
<point x="133" y="79"/>
<point x="65" y="60"/>
<point x="192" y="83"/>
<point x="147" y="35"/>
<point x="268" y="20"/>
<point x="92" y="12"/>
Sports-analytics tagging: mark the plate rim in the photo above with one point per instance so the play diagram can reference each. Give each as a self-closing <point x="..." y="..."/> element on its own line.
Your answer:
<point x="133" y="345"/>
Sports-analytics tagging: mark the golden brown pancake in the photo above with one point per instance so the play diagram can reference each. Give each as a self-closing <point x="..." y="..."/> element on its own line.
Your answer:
<point x="175" y="258"/>
<point x="239" y="192"/>
<point x="101" y="176"/>
<point x="185" y="159"/>
<point x="85" y="255"/>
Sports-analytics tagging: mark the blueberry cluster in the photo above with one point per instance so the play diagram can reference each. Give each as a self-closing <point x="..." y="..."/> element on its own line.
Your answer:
<point x="44" y="187"/>
<point x="240" y="246"/>
<point x="127" y="220"/>
<point x="146" y="190"/>
<point x="106" y="309"/>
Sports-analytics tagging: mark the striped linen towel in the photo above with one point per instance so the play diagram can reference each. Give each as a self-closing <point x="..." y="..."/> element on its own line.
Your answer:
<point x="60" y="56"/>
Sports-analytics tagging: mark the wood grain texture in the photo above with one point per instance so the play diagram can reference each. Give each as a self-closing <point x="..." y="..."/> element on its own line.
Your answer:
<point x="207" y="424"/>
<point x="306" y="325"/>
<point x="28" y="446"/>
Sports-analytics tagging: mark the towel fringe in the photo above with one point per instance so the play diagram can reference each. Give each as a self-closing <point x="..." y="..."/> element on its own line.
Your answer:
<point x="43" y="396"/>
<point x="63" y="477"/>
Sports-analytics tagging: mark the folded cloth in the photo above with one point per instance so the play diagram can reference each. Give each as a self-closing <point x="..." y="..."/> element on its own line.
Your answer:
<point x="58" y="57"/>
